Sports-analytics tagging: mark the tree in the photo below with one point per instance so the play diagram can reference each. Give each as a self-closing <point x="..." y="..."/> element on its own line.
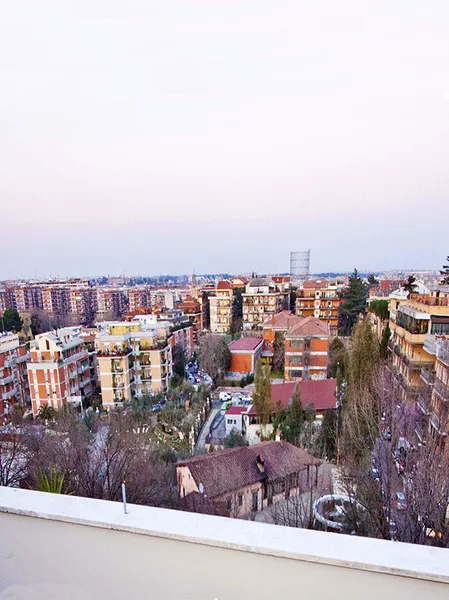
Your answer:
<point x="338" y="357"/>
<point x="234" y="439"/>
<point x="290" y="420"/>
<point x="262" y="393"/>
<point x="410" y="284"/>
<point x="16" y="414"/>
<point x="445" y="273"/>
<point x="13" y="453"/>
<point x="364" y="356"/>
<point x="386" y="336"/>
<point x="372" y="280"/>
<point x="11" y="321"/>
<point x="293" y="296"/>
<point x="379" y="308"/>
<point x="46" y="412"/>
<point x="353" y="303"/>
<point x="179" y="360"/>
<point x="278" y="351"/>
<point x="214" y="356"/>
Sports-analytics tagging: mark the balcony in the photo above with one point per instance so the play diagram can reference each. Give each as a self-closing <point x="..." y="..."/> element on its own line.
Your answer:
<point x="328" y="566"/>
<point x="6" y="380"/>
<point x="424" y="404"/>
<point x="82" y="368"/>
<point x="428" y="376"/>
<point x="9" y="394"/>
<point x="442" y="390"/>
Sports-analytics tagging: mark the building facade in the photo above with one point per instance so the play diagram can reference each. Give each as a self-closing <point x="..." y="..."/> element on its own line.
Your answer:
<point x="414" y="322"/>
<point x="245" y="353"/>
<point x="262" y="299"/>
<point x="319" y="299"/>
<point x="58" y="370"/>
<point x="221" y="308"/>
<point x="306" y="350"/>
<point x="13" y="373"/>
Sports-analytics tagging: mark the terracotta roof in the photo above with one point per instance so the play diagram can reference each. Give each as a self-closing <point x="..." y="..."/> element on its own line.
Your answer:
<point x="237" y="410"/>
<point x="282" y="320"/>
<point x="309" y="326"/>
<point x="245" y="343"/>
<point x="229" y="470"/>
<point x="319" y="392"/>
<point x="224" y="285"/>
<point x="317" y="284"/>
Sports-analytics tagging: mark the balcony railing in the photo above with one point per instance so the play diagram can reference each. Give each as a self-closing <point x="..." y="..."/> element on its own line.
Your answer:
<point x="6" y="380"/>
<point x="424" y="404"/>
<point x="442" y="390"/>
<point x="428" y="376"/>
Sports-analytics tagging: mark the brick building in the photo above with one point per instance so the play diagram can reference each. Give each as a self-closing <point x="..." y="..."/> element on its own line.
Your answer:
<point x="319" y="299"/>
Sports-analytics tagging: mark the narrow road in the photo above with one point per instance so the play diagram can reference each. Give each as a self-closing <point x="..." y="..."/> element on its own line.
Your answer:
<point x="199" y="446"/>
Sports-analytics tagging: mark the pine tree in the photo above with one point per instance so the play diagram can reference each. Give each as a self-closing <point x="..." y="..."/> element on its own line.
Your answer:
<point x="445" y="273"/>
<point x="262" y="393"/>
<point x="410" y="284"/>
<point x="11" y="321"/>
<point x="354" y="303"/>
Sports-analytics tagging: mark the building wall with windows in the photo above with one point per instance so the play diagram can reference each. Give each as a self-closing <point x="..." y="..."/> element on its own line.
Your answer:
<point x="13" y="373"/>
<point x="319" y="299"/>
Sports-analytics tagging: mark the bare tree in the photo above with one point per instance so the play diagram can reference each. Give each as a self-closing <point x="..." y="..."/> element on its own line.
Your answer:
<point x="214" y="356"/>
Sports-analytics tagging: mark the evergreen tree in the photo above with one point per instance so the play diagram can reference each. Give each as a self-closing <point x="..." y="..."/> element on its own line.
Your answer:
<point x="372" y="279"/>
<point x="410" y="285"/>
<point x="262" y="393"/>
<point x="179" y="360"/>
<point x="386" y="335"/>
<point x="445" y="273"/>
<point x="11" y="321"/>
<point x="338" y="357"/>
<point x="278" y="351"/>
<point x="353" y="304"/>
<point x="364" y="356"/>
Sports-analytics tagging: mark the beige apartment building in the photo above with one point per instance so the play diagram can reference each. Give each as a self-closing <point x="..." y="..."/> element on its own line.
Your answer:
<point x="13" y="373"/>
<point x="262" y="299"/>
<point x="414" y="322"/>
<point x="58" y="371"/>
<point x="221" y="308"/>
<point x="134" y="358"/>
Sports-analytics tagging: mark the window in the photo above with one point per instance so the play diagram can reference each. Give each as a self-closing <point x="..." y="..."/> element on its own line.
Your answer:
<point x="255" y="501"/>
<point x="240" y="499"/>
<point x="229" y="504"/>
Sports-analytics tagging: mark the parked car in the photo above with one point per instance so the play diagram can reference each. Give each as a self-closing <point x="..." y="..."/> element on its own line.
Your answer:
<point x="393" y="531"/>
<point x="157" y="407"/>
<point x="400" y="501"/>
<point x="225" y="396"/>
<point x="375" y="473"/>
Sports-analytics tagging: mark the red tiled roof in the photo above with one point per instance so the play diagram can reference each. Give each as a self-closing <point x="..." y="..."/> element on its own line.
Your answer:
<point x="319" y="392"/>
<point x="224" y="285"/>
<point x="235" y="468"/>
<point x="245" y="343"/>
<point x="316" y="285"/>
<point x="309" y="326"/>
<point x="282" y="320"/>
<point x="237" y="410"/>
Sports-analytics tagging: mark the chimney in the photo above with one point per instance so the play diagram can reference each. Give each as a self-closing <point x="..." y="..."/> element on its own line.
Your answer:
<point x="260" y="463"/>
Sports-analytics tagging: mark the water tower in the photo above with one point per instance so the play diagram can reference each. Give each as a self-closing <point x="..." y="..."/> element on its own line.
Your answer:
<point x="300" y="264"/>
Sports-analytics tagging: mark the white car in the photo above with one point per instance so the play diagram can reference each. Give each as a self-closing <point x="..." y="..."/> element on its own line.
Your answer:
<point x="225" y="396"/>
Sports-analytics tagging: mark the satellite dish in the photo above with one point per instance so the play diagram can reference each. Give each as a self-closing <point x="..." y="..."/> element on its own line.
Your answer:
<point x="201" y="488"/>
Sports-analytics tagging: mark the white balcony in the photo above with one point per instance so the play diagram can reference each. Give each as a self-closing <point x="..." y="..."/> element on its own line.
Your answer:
<point x="6" y="380"/>
<point x="172" y="555"/>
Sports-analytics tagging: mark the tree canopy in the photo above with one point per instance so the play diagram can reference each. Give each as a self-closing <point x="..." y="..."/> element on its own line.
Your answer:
<point x="445" y="273"/>
<point x="262" y="393"/>
<point x="410" y="284"/>
<point x="379" y="308"/>
<point x="353" y="303"/>
<point x="11" y="321"/>
<point x="214" y="356"/>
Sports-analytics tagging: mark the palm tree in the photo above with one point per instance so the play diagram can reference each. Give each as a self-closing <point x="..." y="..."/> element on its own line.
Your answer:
<point x="46" y="412"/>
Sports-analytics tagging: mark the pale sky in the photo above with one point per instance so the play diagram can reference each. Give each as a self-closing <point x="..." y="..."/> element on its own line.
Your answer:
<point x="164" y="136"/>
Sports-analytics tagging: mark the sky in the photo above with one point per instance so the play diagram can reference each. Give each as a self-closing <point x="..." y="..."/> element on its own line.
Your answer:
<point x="152" y="137"/>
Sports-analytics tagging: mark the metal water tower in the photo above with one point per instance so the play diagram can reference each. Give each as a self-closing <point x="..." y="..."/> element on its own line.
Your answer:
<point x="300" y="264"/>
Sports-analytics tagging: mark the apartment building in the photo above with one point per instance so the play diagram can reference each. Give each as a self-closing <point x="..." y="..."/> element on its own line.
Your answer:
<point x="83" y="302"/>
<point x="261" y="300"/>
<point x="13" y="373"/>
<point x="194" y="311"/>
<point x="306" y="350"/>
<point x="56" y="300"/>
<point x="111" y="303"/>
<point x="439" y="418"/>
<point x="139" y="298"/>
<point x="277" y="324"/>
<point x="319" y="299"/>
<point x="134" y="358"/>
<point x="58" y="370"/>
<point x="413" y="322"/>
<point x="221" y="308"/>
